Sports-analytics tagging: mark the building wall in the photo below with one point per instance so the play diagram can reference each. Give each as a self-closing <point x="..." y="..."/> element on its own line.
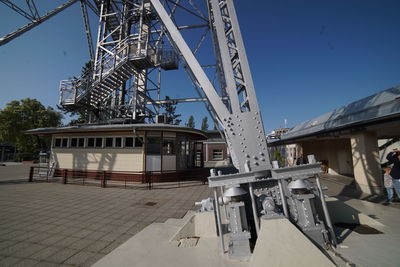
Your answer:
<point x="336" y="152"/>
<point x="99" y="159"/>
<point x="102" y="159"/>
<point x="209" y="160"/>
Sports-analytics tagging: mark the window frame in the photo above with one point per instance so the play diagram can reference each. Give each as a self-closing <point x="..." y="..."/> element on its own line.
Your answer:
<point x="102" y="141"/>
<point x="124" y="141"/>
<point x="112" y="141"/>
<point x="55" y="142"/>
<point x="87" y="142"/>
<point x="220" y="153"/>
<point x="67" y="143"/>
<point x="115" y="142"/>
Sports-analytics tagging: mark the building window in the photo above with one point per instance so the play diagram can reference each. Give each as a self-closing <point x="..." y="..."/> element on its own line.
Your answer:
<point x="118" y="141"/>
<point x="90" y="142"/>
<point x="74" y="142"/>
<point x="57" y="142"/>
<point x="153" y="145"/>
<point x="64" y="142"/>
<point x="128" y="141"/>
<point x="169" y="146"/>
<point x="81" y="142"/>
<point x="109" y="142"/>
<point x="138" y="142"/>
<point x="99" y="142"/>
<point x="217" y="154"/>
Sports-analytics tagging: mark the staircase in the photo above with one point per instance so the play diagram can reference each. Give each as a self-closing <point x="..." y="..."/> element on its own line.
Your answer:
<point x="125" y="59"/>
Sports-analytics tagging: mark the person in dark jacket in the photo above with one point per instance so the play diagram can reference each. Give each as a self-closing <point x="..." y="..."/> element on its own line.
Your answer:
<point x="394" y="158"/>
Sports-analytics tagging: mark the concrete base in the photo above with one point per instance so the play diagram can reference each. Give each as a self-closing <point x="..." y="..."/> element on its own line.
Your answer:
<point x="280" y="243"/>
<point x="157" y="245"/>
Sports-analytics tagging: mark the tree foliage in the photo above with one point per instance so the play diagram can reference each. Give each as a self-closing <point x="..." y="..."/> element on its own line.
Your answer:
<point x="170" y="112"/>
<point x="204" y="124"/>
<point x="22" y="115"/>
<point x="190" y="123"/>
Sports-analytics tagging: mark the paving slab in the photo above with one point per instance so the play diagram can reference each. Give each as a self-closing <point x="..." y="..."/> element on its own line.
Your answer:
<point x="52" y="224"/>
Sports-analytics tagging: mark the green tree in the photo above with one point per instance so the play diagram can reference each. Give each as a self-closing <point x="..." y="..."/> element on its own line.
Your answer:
<point x="190" y="123"/>
<point x="278" y="157"/>
<point x="170" y="109"/>
<point x="204" y="124"/>
<point x="22" y="115"/>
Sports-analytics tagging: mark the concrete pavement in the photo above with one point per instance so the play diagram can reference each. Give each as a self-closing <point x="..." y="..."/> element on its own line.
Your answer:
<point x="51" y="224"/>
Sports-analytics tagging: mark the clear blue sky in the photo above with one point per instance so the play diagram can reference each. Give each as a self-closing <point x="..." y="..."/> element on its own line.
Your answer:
<point x="307" y="57"/>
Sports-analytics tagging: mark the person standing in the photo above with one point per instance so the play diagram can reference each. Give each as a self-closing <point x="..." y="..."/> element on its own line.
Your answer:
<point x="388" y="183"/>
<point x="394" y="158"/>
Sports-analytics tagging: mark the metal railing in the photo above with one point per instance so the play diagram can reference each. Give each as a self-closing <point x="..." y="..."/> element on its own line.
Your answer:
<point x="139" y="180"/>
<point x="39" y="174"/>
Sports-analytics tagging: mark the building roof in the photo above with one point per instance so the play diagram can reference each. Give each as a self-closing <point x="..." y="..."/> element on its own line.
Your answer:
<point x="380" y="106"/>
<point x="214" y="136"/>
<point x="117" y="127"/>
